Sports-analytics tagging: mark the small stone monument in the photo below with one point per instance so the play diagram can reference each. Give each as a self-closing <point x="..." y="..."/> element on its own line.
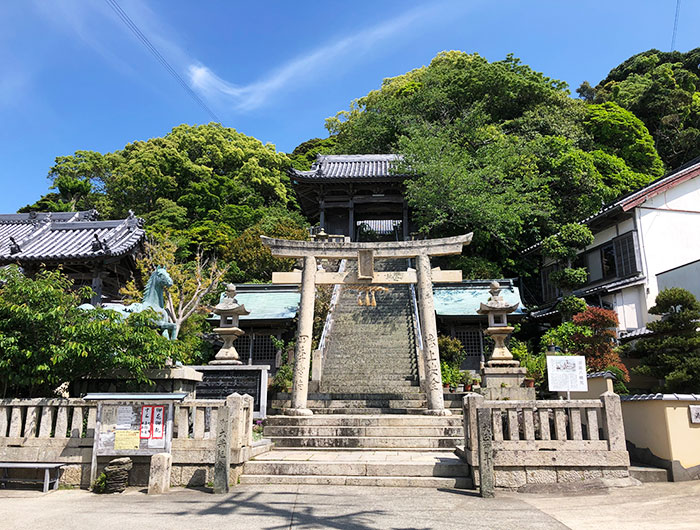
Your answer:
<point x="503" y="377"/>
<point x="230" y="311"/>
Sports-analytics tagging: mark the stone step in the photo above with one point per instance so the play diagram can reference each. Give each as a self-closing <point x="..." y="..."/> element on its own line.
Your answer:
<point x="314" y="404"/>
<point x="412" y="392"/>
<point x="397" y="442"/>
<point x="370" y="411"/>
<point x="356" y="468"/>
<point x="648" y="474"/>
<point x="366" y="420"/>
<point x="356" y="431"/>
<point x="414" y="482"/>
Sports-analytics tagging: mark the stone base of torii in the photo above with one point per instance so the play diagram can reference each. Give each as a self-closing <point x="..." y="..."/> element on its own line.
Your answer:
<point x="365" y="253"/>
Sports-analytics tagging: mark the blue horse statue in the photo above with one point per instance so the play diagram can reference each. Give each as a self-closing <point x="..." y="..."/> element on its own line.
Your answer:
<point x="152" y="299"/>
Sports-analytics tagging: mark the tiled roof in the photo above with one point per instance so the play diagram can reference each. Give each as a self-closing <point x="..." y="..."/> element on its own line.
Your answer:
<point x="606" y="374"/>
<point x="661" y="397"/>
<point x="64" y="236"/>
<point x="350" y="166"/>
<point x="465" y="298"/>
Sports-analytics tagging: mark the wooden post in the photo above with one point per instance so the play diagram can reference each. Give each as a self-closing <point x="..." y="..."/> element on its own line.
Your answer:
<point x="486" y="471"/>
<point x="302" y="359"/>
<point x="433" y="376"/>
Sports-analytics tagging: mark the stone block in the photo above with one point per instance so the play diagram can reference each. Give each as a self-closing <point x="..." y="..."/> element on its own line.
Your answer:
<point x="510" y="478"/>
<point x="71" y="475"/>
<point x="176" y="476"/>
<point x="570" y="475"/>
<point x="159" y="473"/>
<point x="541" y="475"/>
<point x="615" y="472"/>
<point x="193" y="476"/>
<point x="592" y="472"/>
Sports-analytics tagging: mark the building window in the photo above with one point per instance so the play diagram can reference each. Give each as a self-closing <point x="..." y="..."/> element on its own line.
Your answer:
<point x="607" y="256"/>
<point x="473" y="341"/>
<point x="549" y="290"/>
<point x="625" y="255"/>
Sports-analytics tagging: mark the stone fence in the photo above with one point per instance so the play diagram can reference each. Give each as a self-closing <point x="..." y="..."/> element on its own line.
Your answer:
<point x="549" y="441"/>
<point x="63" y="430"/>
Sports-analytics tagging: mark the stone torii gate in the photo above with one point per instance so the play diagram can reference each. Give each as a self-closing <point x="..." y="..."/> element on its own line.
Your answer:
<point x="366" y="253"/>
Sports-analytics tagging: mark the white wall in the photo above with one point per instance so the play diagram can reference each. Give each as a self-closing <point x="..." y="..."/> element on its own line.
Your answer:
<point x="669" y="239"/>
<point x="630" y="306"/>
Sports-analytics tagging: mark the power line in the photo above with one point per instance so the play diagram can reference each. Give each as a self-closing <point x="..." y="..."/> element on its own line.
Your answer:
<point x="675" y="25"/>
<point x="154" y="51"/>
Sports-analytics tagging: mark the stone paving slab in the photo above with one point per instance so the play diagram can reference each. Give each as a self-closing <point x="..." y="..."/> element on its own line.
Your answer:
<point x="671" y="506"/>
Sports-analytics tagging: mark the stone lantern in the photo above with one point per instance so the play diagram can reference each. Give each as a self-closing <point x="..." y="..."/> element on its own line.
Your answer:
<point x="230" y="311"/>
<point x="503" y="377"/>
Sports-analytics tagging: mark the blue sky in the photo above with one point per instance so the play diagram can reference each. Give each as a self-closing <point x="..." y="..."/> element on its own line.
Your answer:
<point x="73" y="76"/>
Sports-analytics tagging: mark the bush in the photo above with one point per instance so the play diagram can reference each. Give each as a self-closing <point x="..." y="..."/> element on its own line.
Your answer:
<point x="46" y="340"/>
<point x="451" y="351"/>
<point x="672" y="353"/>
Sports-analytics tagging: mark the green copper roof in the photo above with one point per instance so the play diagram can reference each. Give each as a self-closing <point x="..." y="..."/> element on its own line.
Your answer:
<point x="464" y="299"/>
<point x="269" y="305"/>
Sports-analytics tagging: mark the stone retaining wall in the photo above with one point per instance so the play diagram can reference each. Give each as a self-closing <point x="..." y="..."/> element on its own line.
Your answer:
<point x="62" y="430"/>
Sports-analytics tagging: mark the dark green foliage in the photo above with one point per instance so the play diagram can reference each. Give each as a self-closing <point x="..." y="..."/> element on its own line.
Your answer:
<point x="45" y="340"/>
<point x="571" y="305"/>
<point x="663" y="90"/>
<point x="672" y="353"/>
<point x="566" y="244"/>
<point x="305" y="153"/>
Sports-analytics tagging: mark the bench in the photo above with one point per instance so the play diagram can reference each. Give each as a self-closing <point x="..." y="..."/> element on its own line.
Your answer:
<point x="46" y="466"/>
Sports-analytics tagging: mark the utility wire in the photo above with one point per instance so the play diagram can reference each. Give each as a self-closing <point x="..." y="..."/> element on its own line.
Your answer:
<point x="154" y="51"/>
<point x="675" y="25"/>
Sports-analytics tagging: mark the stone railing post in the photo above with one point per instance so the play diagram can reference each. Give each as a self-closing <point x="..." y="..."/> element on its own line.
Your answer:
<point x="433" y="375"/>
<point x="302" y="359"/>
<point x="613" y="426"/>
<point x="234" y="404"/>
<point x="485" y="436"/>
<point x="224" y="433"/>
<point x="471" y="403"/>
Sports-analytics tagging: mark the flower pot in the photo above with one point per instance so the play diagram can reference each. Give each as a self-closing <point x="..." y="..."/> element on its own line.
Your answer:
<point x="529" y="383"/>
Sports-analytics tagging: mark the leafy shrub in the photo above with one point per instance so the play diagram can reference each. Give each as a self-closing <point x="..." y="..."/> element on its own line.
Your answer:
<point x="451" y="351"/>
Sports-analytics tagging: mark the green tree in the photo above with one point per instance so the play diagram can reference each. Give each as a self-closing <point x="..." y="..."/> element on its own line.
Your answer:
<point x="46" y="340"/>
<point x="663" y="90"/>
<point x="672" y="353"/>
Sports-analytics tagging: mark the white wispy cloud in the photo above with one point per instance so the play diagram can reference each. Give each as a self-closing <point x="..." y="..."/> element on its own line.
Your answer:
<point x="86" y="22"/>
<point x="305" y="67"/>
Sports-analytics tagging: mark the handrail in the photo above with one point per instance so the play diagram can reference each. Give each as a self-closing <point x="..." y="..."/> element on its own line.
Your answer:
<point x="331" y="306"/>
<point x="419" y="334"/>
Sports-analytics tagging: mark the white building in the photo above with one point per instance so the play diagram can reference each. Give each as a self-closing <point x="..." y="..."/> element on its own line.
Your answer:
<point x="644" y="242"/>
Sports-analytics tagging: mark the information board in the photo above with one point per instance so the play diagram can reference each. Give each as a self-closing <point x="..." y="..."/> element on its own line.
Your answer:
<point x="217" y="384"/>
<point x="133" y="429"/>
<point x="694" y="413"/>
<point x="567" y="373"/>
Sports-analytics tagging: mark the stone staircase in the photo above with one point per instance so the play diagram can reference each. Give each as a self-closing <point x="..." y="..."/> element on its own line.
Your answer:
<point x="363" y="450"/>
<point x="368" y="426"/>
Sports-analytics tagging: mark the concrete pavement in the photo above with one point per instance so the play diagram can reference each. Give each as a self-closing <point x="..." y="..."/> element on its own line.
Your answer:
<point x="668" y="506"/>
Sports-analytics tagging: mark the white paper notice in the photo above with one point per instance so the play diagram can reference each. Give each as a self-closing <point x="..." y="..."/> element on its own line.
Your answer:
<point x="567" y="373"/>
<point x="158" y="417"/>
<point x="125" y="418"/>
<point x="146" y="421"/>
<point x="156" y="443"/>
<point x="694" y="413"/>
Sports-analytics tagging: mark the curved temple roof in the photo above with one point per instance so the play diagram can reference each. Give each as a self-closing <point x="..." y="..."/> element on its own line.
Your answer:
<point x="65" y="236"/>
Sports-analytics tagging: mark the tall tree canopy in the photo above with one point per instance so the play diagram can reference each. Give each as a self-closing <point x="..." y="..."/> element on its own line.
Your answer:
<point x="663" y="90"/>
<point x="500" y="149"/>
<point x="204" y="186"/>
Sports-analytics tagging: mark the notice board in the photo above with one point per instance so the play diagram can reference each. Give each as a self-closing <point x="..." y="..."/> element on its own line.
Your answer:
<point x="567" y="373"/>
<point x="133" y="429"/>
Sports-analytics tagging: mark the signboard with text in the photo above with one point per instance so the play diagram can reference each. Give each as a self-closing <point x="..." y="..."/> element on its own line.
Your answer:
<point x="133" y="429"/>
<point x="567" y="373"/>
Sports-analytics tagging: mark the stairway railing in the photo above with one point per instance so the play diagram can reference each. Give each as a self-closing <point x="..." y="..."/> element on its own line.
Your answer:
<point x="320" y="353"/>
<point x="419" y="334"/>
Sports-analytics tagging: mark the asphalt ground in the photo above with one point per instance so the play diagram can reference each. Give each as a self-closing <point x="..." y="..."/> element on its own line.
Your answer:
<point x="658" y="505"/>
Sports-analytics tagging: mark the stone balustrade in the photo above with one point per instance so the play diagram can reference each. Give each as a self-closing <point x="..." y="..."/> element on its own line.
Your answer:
<point x="549" y="441"/>
<point x="63" y="430"/>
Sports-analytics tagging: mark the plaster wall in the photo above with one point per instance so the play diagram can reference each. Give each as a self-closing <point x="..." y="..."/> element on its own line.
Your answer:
<point x="596" y="386"/>
<point x="645" y="426"/>
<point x="684" y="436"/>
<point x="630" y="305"/>
<point x="668" y="238"/>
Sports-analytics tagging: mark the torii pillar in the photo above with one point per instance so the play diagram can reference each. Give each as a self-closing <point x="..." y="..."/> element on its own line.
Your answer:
<point x="365" y="253"/>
